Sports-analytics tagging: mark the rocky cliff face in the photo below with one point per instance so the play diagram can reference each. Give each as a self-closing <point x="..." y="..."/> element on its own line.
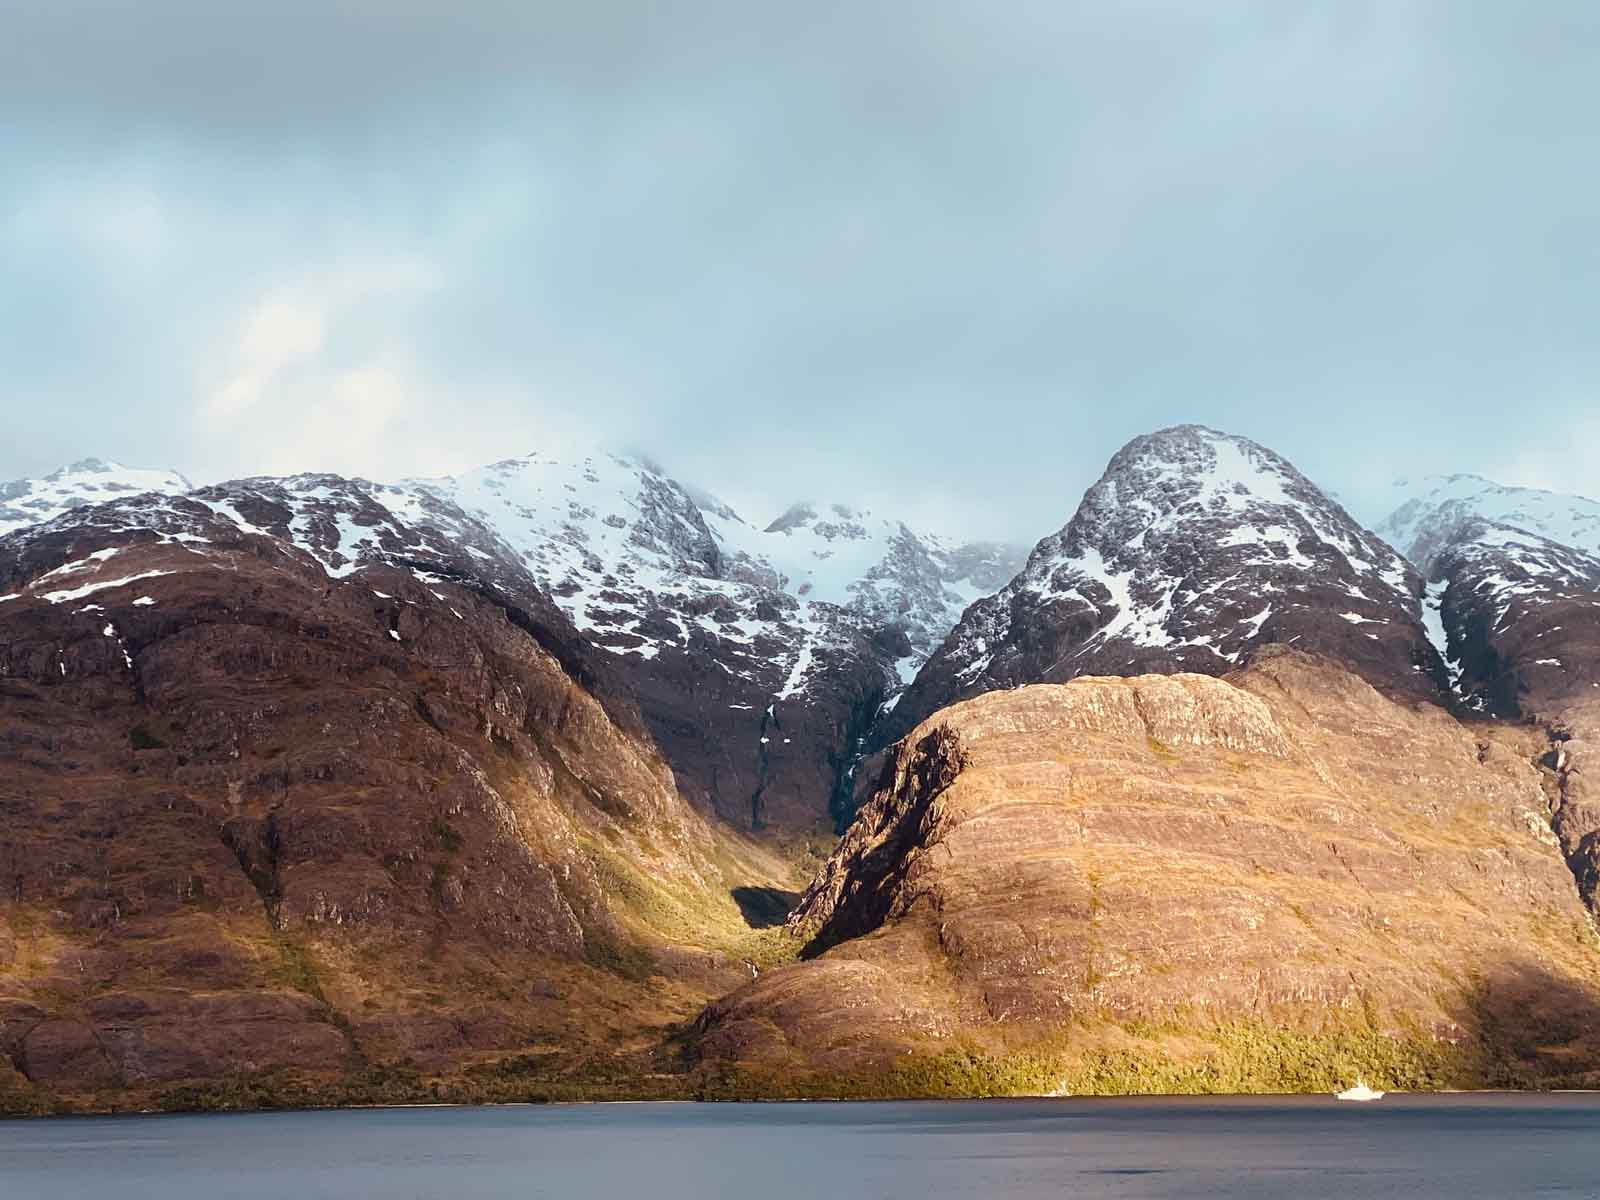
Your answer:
<point x="1140" y="861"/>
<point x="287" y="785"/>
<point x="1194" y="548"/>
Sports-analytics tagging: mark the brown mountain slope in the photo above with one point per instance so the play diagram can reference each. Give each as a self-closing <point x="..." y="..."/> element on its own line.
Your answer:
<point x="257" y="820"/>
<point x="1178" y="883"/>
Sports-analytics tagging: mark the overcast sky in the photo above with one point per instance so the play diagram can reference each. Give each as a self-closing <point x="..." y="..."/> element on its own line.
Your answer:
<point x="941" y="258"/>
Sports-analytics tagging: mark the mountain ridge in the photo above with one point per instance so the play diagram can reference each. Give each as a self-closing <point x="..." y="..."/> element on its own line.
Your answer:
<point x="759" y="657"/>
<point x="1192" y="548"/>
<point x="290" y="741"/>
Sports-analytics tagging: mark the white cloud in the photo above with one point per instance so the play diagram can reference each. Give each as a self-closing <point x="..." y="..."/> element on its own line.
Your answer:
<point x="282" y="330"/>
<point x="285" y="358"/>
<point x="950" y="261"/>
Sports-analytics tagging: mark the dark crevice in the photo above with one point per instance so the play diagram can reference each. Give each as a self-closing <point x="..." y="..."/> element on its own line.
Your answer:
<point x="764" y="907"/>
<point x="256" y="844"/>
<point x="846" y="757"/>
<point x="1581" y="850"/>
<point x="912" y="778"/>
<point x="1485" y="686"/>
<point x="420" y="703"/>
<point x="763" y="762"/>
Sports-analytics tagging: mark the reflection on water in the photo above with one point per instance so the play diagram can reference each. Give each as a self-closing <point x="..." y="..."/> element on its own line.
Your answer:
<point x="1461" y="1147"/>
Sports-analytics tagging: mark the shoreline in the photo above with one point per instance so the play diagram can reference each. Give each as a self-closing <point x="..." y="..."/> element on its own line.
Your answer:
<point x="1394" y="1099"/>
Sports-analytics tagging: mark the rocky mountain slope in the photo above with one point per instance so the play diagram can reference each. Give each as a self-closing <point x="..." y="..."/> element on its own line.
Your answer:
<point x="1192" y="549"/>
<point x="758" y="658"/>
<point x="270" y="809"/>
<point x="319" y="788"/>
<point x="1174" y="882"/>
<point x="1513" y="595"/>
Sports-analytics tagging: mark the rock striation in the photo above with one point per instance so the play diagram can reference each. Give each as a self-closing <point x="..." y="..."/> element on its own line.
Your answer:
<point x="1285" y="846"/>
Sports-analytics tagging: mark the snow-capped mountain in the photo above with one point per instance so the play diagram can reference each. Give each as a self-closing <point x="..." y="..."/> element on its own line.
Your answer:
<point x="783" y="640"/>
<point x="1506" y="606"/>
<point x="1192" y="548"/>
<point x="643" y="564"/>
<point x="1512" y="574"/>
<point x="1513" y="595"/>
<point x="341" y="525"/>
<point x="635" y="559"/>
<point x="25" y="502"/>
<point x="1429" y="510"/>
<point x="758" y="655"/>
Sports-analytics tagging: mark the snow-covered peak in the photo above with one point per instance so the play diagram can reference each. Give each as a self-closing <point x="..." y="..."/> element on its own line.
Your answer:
<point x="875" y="568"/>
<point x="1515" y="614"/>
<point x="1431" y="509"/>
<point x="342" y="524"/>
<point x="639" y="562"/>
<point x="586" y="516"/>
<point x="1511" y="571"/>
<point x="26" y="502"/>
<point x="1190" y="473"/>
<point x="1190" y="506"/>
<point x="1192" y="548"/>
<point x="644" y="563"/>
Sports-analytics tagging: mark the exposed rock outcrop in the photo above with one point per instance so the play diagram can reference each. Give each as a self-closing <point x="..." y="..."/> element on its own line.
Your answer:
<point x="1285" y="846"/>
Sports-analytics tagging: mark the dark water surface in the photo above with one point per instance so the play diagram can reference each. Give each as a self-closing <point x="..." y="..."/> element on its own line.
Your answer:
<point x="1461" y="1147"/>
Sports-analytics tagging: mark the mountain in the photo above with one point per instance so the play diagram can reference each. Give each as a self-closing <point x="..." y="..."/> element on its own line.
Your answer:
<point x="26" y="502"/>
<point x="1194" y="548"/>
<point x="1513" y="595"/>
<point x="758" y="657"/>
<point x="1278" y="881"/>
<point x="1426" y="511"/>
<point x="1081" y="864"/>
<point x="291" y="788"/>
<point x="322" y="789"/>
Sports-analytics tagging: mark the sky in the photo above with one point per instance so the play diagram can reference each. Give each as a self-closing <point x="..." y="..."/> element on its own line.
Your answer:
<point x="938" y="258"/>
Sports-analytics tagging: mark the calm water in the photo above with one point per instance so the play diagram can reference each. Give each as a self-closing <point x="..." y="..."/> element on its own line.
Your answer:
<point x="1457" y="1147"/>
